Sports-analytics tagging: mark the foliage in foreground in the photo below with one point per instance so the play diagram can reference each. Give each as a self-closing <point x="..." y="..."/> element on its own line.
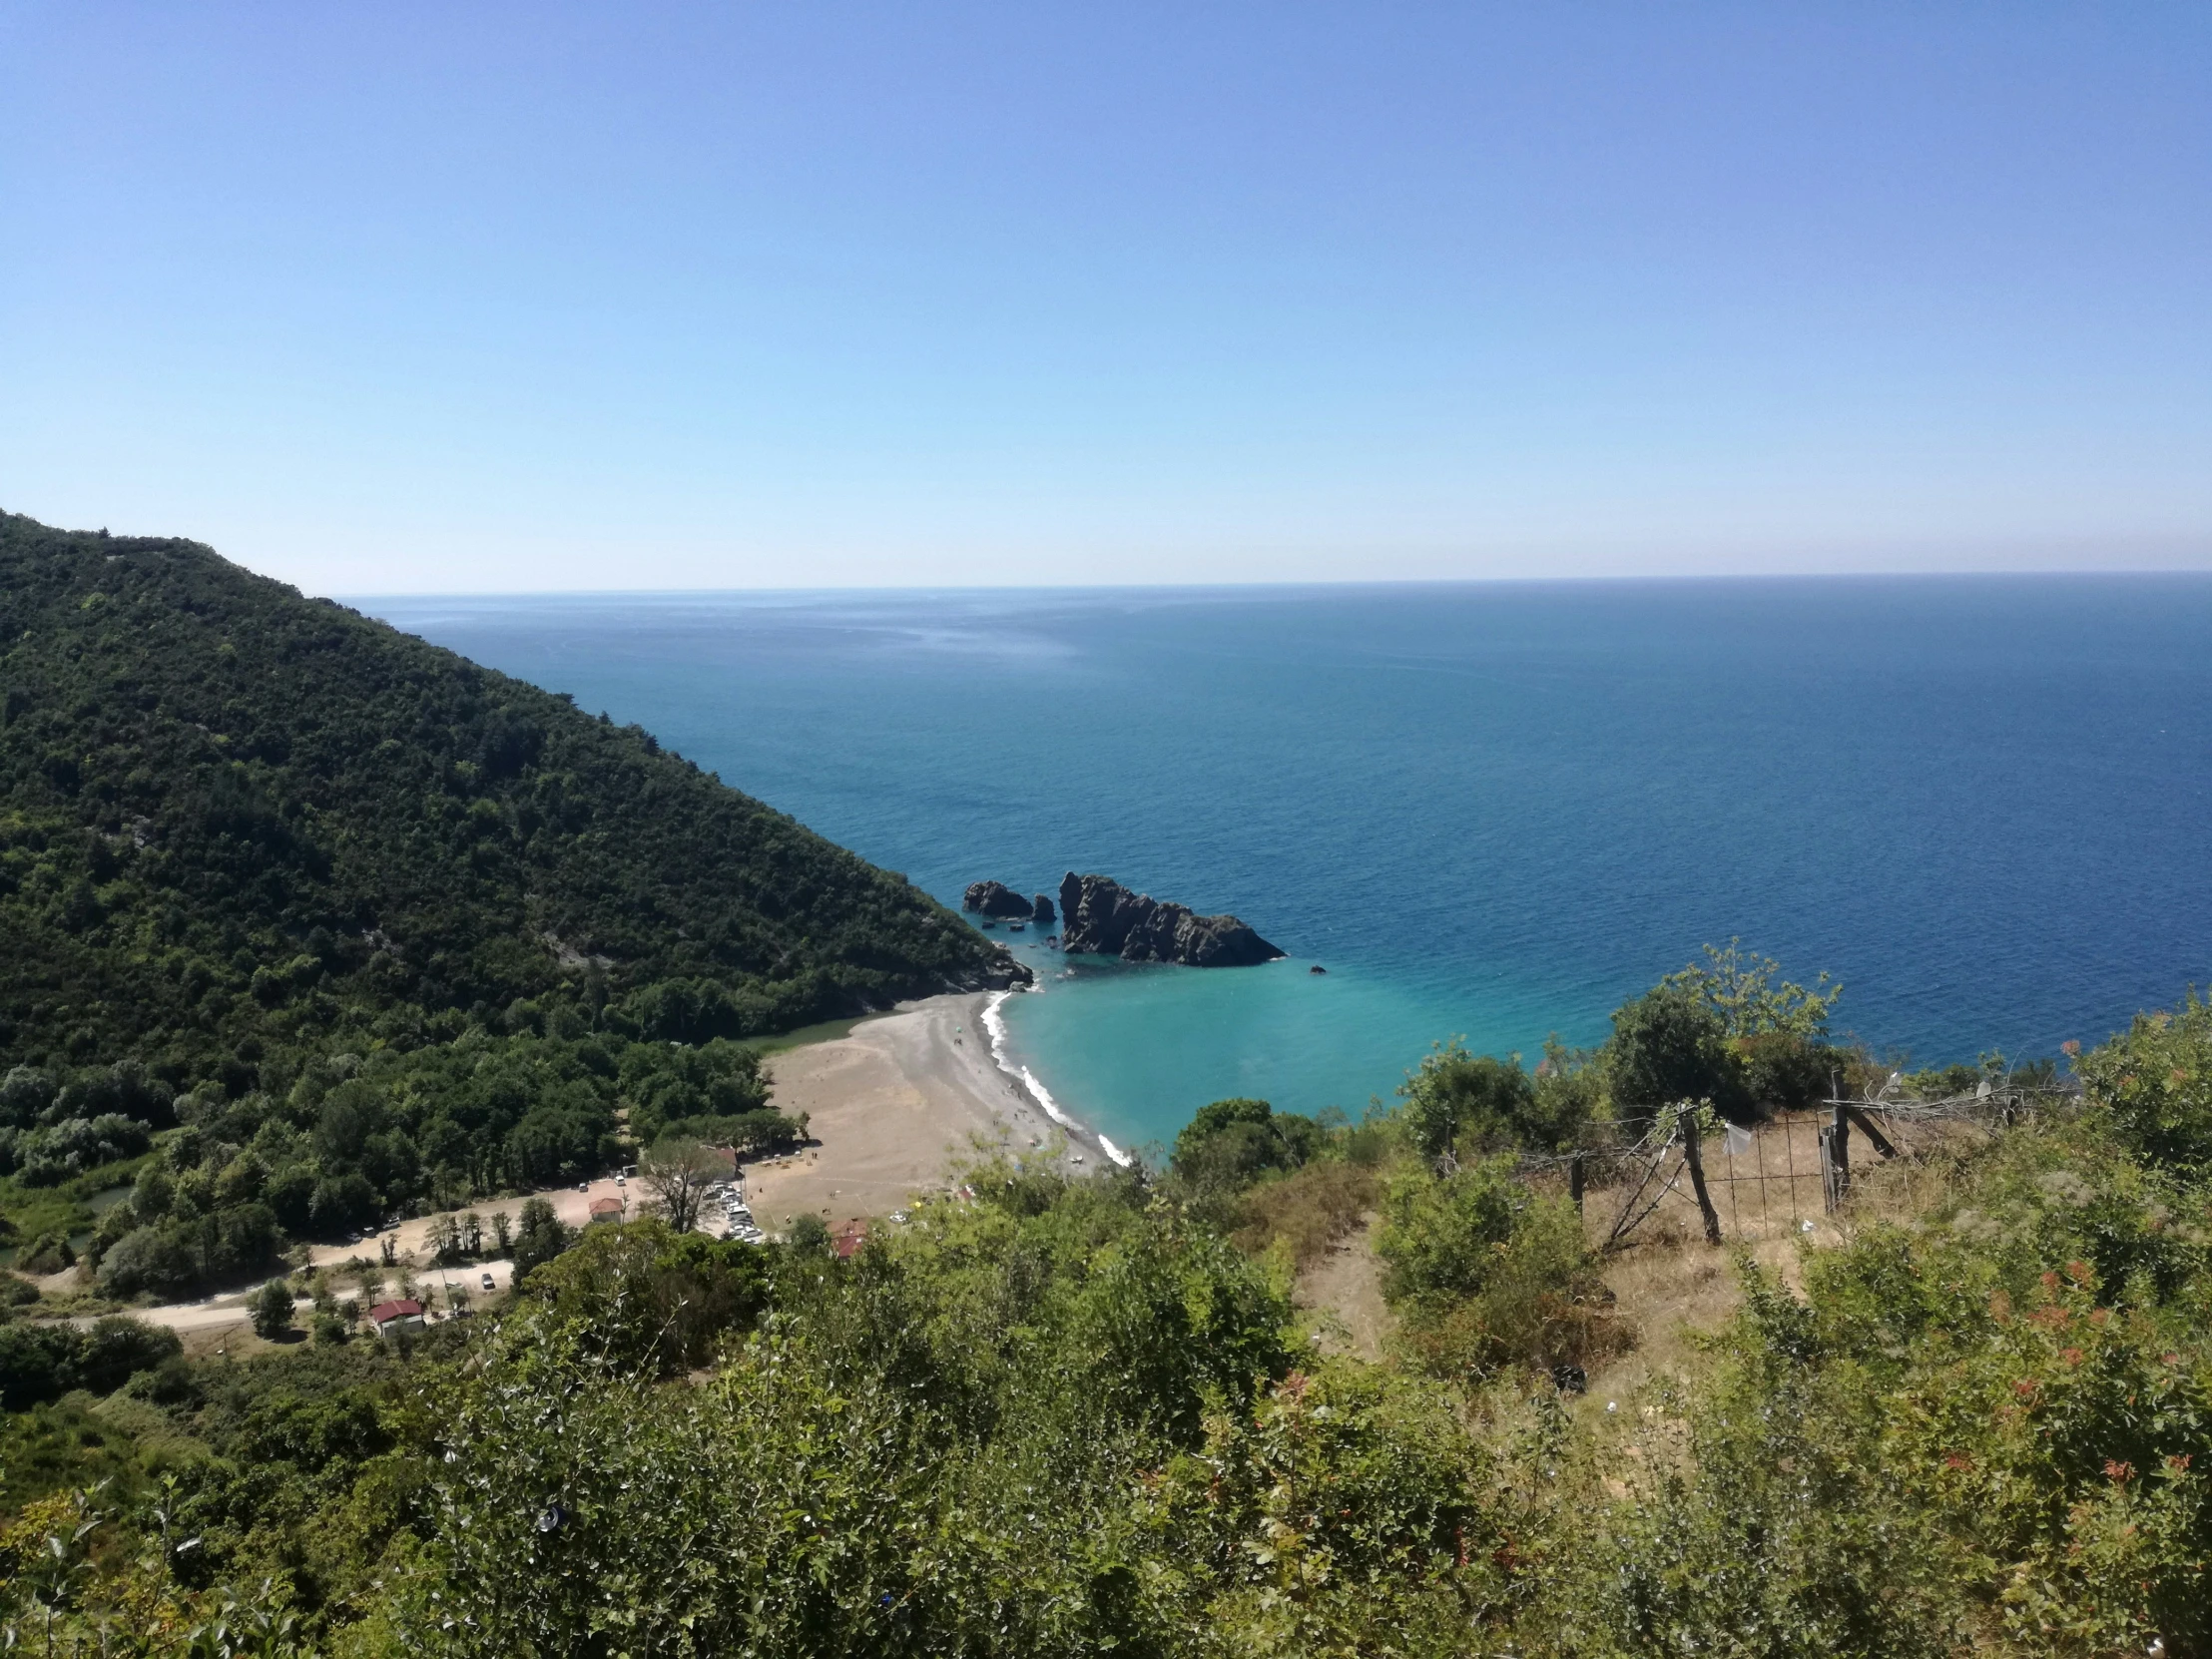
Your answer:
<point x="1075" y="1417"/>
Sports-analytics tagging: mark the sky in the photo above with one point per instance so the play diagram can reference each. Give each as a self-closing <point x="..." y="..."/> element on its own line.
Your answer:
<point x="424" y="297"/>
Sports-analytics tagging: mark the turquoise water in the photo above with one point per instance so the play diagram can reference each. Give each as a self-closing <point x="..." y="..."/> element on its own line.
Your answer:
<point x="1490" y="809"/>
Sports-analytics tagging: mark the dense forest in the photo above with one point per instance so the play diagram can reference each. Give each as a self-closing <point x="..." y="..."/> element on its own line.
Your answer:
<point x="377" y="928"/>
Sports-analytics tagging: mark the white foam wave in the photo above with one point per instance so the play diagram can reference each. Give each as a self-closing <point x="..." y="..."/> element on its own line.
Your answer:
<point x="994" y="1024"/>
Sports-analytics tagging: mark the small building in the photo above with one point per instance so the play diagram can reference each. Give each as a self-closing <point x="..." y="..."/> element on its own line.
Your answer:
<point x="392" y="1318"/>
<point x="847" y="1241"/>
<point x="723" y="1160"/>
<point x="606" y="1209"/>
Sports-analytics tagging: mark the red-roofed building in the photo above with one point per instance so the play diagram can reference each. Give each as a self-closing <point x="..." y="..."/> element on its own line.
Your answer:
<point x="390" y="1317"/>
<point x="723" y="1159"/>
<point x="606" y="1209"/>
<point x="847" y="1241"/>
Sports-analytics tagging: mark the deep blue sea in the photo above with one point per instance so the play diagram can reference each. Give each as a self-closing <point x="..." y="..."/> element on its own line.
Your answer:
<point x="1490" y="809"/>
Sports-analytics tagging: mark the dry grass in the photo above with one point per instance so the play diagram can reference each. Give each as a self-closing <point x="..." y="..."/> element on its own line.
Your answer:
<point x="1344" y="1290"/>
<point x="1675" y="1288"/>
<point x="1308" y="1212"/>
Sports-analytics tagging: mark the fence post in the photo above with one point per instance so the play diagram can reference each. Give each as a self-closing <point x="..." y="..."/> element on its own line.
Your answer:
<point x="1835" y="1138"/>
<point x="1694" y="1156"/>
<point x="1575" y="1182"/>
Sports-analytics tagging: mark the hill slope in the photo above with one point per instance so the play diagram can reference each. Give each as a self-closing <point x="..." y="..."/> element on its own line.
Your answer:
<point x="377" y="927"/>
<point x="226" y="807"/>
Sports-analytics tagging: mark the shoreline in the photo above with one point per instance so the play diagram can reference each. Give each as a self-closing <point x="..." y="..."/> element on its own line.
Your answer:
<point x="994" y="1024"/>
<point x="898" y="1101"/>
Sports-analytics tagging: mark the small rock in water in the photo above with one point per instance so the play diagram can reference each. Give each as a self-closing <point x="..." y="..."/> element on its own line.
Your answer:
<point x="994" y="898"/>
<point x="1316" y="968"/>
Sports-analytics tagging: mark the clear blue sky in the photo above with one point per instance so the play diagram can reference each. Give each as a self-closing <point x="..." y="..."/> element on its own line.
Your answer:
<point x="413" y="297"/>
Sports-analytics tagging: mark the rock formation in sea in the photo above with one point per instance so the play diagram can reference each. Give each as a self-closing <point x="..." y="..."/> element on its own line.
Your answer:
<point x="1045" y="911"/>
<point x="994" y="898"/>
<point x="1100" y="916"/>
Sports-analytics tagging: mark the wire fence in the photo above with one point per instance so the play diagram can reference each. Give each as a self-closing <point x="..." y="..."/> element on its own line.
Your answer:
<point x="1692" y="1169"/>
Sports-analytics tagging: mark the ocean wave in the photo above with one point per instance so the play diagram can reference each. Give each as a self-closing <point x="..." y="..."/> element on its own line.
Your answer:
<point x="995" y="1025"/>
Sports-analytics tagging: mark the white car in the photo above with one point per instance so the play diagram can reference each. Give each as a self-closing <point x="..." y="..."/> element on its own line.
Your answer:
<point x="489" y="1282"/>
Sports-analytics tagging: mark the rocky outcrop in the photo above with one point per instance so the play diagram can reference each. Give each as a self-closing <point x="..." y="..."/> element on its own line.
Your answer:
<point x="1000" y="973"/>
<point x="994" y="898"/>
<point x="1102" y="917"/>
<point x="1044" y="912"/>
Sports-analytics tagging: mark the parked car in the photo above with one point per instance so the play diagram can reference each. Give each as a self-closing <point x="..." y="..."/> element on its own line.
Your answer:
<point x="489" y="1282"/>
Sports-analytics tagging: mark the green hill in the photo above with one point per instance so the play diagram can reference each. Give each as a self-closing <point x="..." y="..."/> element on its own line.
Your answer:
<point x="242" y="831"/>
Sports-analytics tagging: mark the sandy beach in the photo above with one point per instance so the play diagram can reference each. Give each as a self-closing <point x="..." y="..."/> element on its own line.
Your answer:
<point x="894" y="1107"/>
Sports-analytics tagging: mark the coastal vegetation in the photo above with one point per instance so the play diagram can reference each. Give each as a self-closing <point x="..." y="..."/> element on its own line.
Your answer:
<point x="357" y="928"/>
<point x="1086" y="1416"/>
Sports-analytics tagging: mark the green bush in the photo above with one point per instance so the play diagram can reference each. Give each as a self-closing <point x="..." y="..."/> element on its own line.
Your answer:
<point x="1669" y="1046"/>
<point x="44" y="1361"/>
<point x="1475" y="1104"/>
<point x="1227" y="1144"/>
<point x="2153" y="1085"/>
<point x="1488" y="1272"/>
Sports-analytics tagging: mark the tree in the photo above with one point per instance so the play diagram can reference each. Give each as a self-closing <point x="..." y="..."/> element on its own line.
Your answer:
<point x="1476" y="1100"/>
<point x="502" y="1231"/>
<point x="540" y="1237"/>
<point x="369" y="1276"/>
<point x="1670" y="1045"/>
<point x="270" y="1307"/>
<point x="1229" y="1142"/>
<point x="1741" y="990"/>
<point x="678" y="1173"/>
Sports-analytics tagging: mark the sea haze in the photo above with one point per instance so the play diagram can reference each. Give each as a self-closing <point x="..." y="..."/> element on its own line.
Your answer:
<point x="1490" y="810"/>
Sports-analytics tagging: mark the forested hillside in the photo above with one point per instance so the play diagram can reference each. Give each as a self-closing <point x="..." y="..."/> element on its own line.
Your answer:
<point x="231" y="812"/>
<point x="264" y="862"/>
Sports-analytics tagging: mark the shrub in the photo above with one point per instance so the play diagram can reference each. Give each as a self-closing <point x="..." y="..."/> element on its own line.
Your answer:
<point x="1486" y="1273"/>
<point x="1307" y="1210"/>
<point x="47" y="1253"/>
<point x="649" y="1299"/>
<point x="2152" y="1085"/>
<point x="44" y="1361"/>
<point x="149" y="1261"/>
<point x="1476" y="1105"/>
<point x="1668" y="1046"/>
<point x="1229" y="1142"/>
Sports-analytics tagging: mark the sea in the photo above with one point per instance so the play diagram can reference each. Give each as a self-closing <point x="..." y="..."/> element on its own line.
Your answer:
<point x="1491" y="811"/>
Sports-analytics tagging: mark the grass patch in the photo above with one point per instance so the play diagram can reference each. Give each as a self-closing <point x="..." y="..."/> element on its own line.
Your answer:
<point x="824" y="1031"/>
<point x="1307" y="1210"/>
<point x="68" y="1208"/>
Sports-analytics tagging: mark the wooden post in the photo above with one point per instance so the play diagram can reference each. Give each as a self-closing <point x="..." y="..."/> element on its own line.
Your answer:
<point x="1694" y="1156"/>
<point x="1575" y="1182"/>
<point x="1866" y="1127"/>
<point x="1842" y="1152"/>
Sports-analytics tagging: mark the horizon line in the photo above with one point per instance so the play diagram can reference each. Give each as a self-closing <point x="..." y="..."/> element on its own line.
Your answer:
<point x="1289" y="585"/>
